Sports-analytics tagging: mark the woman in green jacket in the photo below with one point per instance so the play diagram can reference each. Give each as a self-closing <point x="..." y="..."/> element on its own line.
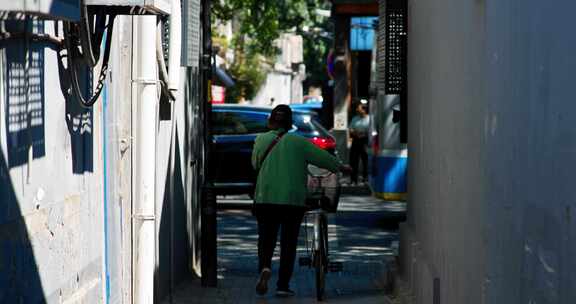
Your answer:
<point x="279" y="200"/>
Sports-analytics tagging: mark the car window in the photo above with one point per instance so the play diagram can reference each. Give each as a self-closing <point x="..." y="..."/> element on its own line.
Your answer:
<point x="306" y="123"/>
<point x="303" y="123"/>
<point x="320" y="128"/>
<point x="237" y="123"/>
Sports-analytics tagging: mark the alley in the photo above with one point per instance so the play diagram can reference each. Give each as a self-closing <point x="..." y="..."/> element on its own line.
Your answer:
<point x="362" y="235"/>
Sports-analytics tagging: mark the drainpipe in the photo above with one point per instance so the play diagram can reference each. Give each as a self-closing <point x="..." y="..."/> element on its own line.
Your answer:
<point x="145" y="102"/>
<point x="174" y="46"/>
<point x="174" y="52"/>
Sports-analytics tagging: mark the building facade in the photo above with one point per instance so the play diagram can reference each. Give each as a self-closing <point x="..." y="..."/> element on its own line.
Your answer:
<point x="99" y="203"/>
<point x="283" y="84"/>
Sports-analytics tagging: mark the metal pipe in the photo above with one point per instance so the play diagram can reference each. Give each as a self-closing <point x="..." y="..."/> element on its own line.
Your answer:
<point x="175" y="46"/>
<point x="144" y="86"/>
<point x="163" y="71"/>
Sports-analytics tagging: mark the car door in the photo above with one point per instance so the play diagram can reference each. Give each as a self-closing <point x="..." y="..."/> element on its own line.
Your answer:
<point x="234" y="133"/>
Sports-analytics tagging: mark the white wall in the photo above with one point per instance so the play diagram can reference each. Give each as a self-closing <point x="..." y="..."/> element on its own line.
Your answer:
<point x="51" y="210"/>
<point x="284" y="82"/>
<point x="66" y="179"/>
<point x="278" y="86"/>
<point x="491" y="143"/>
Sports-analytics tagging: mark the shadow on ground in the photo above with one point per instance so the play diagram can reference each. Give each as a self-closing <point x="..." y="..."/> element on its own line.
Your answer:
<point x="362" y="235"/>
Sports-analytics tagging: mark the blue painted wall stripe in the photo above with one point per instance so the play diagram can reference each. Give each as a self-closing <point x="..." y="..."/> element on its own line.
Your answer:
<point x="105" y="177"/>
<point x="388" y="174"/>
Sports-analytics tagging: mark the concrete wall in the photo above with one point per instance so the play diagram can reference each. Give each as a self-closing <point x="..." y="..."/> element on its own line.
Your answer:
<point x="172" y="207"/>
<point x="278" y="85"/>
<point x="491" y="148"/>
<point x="51" y="210"/>
<point x="174" y="194"/>
<point x="66" y="190"/>
<point x="284" y="81"/>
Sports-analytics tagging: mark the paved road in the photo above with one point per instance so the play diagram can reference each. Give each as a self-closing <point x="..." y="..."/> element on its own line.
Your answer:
<point x="361" y="235"/>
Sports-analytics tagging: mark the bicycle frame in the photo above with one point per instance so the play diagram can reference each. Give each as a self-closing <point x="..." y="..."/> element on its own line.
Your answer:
<point x="317" y="248"/>
<point x="316" y="217"/>
<point x="323" y="191"/>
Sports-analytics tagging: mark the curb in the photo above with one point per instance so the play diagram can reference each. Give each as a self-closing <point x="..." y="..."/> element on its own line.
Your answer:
<point x="355" y="190"/>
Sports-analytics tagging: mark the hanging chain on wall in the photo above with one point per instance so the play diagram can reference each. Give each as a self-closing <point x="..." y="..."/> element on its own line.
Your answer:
<point x="82" y="41"/>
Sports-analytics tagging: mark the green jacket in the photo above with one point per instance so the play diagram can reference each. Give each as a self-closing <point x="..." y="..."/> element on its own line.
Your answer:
<point x="283" y="176"/>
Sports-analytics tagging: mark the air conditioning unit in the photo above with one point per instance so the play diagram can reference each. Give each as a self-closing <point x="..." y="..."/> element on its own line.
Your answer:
<point x="153" y="6"/>
<point x="51" y="9"/>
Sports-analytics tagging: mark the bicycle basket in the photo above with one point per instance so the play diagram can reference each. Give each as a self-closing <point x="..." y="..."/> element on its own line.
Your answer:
<point x="323" y="191"/>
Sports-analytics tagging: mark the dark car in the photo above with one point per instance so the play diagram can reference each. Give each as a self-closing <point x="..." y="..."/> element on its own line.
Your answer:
<point x="234" y="129"/>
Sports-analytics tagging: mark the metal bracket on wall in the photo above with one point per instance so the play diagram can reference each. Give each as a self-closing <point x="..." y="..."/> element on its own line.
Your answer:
<point x="436" y="291"/>
<point x="143" y="217"/>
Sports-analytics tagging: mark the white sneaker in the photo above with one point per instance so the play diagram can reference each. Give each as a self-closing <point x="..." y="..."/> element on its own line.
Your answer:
<point x="285" y="293"/>
<point x="262" y="284"/>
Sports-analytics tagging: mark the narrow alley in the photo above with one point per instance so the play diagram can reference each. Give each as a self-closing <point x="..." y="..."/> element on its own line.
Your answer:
<point x="363" y="235"/>
<point x="138" y="136"/>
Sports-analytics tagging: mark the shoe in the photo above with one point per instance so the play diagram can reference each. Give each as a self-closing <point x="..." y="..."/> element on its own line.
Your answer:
<point x="262" y="284"/>
<point x="284" y="293"/>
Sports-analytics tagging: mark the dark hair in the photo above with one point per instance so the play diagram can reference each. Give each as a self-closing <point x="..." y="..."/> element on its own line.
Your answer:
<point x="280" y="118"/>
<point x="364" y="106"/>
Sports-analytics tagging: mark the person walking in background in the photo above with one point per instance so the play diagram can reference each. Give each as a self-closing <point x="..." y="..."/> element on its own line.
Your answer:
<point x="359" y="133"/>
<point x="281" y="188"/>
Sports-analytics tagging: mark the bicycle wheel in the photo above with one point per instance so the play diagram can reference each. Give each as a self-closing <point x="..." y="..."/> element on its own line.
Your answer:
<point x="321" y="260"/>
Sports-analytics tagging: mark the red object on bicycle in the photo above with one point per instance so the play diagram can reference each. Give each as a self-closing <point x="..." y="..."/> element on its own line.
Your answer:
<point x="324" y="143"/>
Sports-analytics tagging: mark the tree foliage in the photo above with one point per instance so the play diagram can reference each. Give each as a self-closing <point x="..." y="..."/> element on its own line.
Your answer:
<point x="261" y="22"/>
<point x="249" y="74"/>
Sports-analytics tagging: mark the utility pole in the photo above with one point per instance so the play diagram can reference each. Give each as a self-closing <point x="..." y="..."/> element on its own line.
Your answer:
<point x="209" y="213"/>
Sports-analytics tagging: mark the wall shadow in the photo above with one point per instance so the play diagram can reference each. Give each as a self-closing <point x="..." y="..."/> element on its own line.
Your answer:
<point x="25" y="123"/>
<point x="80" y="123"/>
<point x="24" y="103"/>
<point x="174" y="251"/>
<point x="79" y="120"/>
<point x="19" y="277"/>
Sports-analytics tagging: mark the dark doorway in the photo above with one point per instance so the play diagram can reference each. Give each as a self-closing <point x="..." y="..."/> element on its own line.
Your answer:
<point x="361" y="78"/>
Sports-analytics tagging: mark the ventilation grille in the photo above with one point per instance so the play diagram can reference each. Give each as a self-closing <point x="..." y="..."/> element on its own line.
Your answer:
<point x="191" y="33"/>
<point x="395" y="46"/>
<point x="166" y="39"/>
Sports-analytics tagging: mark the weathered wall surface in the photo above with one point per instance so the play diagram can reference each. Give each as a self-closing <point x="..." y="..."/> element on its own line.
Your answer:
<point x="118" y="157"/>
<point x="66" y="178"/>
<point x="174" y="124"/>
<point x="51" y="211"/>
<point x="491" y="149"/>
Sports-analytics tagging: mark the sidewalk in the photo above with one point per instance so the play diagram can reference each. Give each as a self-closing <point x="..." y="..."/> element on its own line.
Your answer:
<point x="348" y="187"/>
<point x="359" y="236"/>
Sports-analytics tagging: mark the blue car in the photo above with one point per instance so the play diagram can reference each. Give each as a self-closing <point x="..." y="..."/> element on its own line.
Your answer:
<point x="234" y="129"/>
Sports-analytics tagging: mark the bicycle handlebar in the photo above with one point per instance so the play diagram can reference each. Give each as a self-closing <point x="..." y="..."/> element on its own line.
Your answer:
<point x="317" y="172"/>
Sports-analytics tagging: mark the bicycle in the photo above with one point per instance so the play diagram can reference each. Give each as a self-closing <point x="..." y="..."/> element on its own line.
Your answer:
<point x="323" y="197"/>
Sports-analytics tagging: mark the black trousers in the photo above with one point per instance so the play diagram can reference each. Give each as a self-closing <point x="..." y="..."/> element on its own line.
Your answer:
<point x="357" y="153"/>
<point x="271" y="219"/>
